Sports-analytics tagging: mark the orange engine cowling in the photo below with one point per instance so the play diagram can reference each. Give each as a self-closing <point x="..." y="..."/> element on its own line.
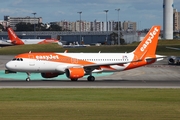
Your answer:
<point x="49" y="75"/>
<point x="75" y="73"/>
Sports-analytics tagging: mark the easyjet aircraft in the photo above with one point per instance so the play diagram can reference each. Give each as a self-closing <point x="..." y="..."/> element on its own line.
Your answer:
<point x="15" y="40"/>
<point x="77" y="65"/>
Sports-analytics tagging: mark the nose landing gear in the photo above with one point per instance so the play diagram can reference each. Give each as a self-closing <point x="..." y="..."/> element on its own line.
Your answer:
<point x="28" y="77"/>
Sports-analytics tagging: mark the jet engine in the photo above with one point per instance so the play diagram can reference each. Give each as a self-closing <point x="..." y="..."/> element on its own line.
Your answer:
<point x="173" y="60"/>
<point x="49" y="75"/>
<point x="75" y="72"/>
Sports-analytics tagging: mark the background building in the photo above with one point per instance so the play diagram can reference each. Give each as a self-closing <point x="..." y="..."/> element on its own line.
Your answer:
<point x="12" y="21"/>
<point x="129" y="26"/>
<point x="176" y="20"/>
<point x="96" y="26"/>
<point x="76" y="26"/>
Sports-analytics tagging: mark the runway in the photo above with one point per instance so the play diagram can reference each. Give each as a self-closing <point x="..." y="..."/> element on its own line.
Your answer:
<point x="157" y="75"/>
<point x="95" y="84"/>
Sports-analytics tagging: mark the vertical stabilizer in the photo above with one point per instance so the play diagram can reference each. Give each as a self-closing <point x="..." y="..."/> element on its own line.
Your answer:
<point x="148" y="45"/>
<point x="145" y="52"/>
<point x="14" y="38"/>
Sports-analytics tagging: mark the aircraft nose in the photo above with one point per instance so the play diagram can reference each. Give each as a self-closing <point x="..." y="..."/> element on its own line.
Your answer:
<point x="9" y="65"/>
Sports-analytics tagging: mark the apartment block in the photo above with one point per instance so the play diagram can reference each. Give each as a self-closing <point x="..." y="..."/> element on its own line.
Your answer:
<point x="77" y="26"/>
<point x="129" y="26"/>
<point x="176" y="20"/>
<point x="12" y="21"/>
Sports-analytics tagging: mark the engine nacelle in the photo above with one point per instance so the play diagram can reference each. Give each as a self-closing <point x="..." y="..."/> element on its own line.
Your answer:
<point x="75" y="72"/>
<point x="173" y="60"/>
<point x="49" y="75"/>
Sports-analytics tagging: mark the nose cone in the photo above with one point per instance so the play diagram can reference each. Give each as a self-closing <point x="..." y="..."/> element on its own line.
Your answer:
<point x="9" y="66"/>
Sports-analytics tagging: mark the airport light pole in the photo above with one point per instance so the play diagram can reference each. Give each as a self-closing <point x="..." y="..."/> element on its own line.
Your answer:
<point x="106" y="24"/>
<point x="34" y="23"/>
<point x="118" y="26"/>
<point x="80" y="25"/>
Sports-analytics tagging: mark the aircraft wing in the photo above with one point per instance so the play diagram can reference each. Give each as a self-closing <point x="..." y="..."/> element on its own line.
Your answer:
<point x="93" y="66"/>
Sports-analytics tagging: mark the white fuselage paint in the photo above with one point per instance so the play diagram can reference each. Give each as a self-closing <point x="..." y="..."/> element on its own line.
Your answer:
<point x="35" y="41"/>
<point x="42" y="65"/>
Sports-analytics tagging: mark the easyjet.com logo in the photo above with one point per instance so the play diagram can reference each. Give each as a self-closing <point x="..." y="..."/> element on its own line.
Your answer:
<point x="149" y="40"/>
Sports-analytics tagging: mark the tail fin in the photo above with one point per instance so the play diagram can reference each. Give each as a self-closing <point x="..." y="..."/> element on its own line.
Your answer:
<point x="14" y="38"/>
<point x="147" y="48"/>
<point x="145" y="53"/>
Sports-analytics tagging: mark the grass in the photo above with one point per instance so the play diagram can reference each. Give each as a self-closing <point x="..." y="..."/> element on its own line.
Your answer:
<point x="161" y="48"/>
<point x="89" y="104"/>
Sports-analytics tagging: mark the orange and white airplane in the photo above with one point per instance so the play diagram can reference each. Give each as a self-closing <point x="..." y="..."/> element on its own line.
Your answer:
<point x="15" y="40"/>
<point x="77" y="65"/>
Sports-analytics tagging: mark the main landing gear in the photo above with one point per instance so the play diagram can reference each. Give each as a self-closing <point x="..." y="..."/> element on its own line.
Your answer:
<point x="91" y="78"/>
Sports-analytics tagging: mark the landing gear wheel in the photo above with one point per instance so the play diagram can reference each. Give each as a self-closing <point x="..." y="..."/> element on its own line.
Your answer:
<point x="28" y="79"/>
<point x="74" y="79"/>
<point x="91" y="78"/>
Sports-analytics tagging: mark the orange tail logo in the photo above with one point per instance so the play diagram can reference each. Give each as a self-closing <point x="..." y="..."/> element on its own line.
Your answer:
<point x="14" y="38"/>
<point x="148" y="45"/>
<point x="146" y="49"/>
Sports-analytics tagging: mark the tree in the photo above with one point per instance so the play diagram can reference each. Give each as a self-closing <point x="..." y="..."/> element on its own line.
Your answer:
<point x="55" y="27"/>
<point x="116" y="28"/>
<point x="22" y="26"/>
<point x="1" y="27"/>
<point x="114" y="38"/>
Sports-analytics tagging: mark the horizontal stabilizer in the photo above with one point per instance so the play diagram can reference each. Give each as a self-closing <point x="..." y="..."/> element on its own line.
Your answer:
<point x="157" y="58"/>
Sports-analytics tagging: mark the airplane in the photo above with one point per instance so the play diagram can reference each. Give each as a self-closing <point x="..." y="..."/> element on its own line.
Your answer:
<point x="15" y="40"/>
<point x="174" y="60"/>
<point x="77" y="65"/>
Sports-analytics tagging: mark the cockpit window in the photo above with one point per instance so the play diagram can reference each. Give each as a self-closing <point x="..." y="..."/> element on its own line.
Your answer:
<point x="17" y="59"/>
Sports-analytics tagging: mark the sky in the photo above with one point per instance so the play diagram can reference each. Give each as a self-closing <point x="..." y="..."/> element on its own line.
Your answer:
<point x="145" y="13"/>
